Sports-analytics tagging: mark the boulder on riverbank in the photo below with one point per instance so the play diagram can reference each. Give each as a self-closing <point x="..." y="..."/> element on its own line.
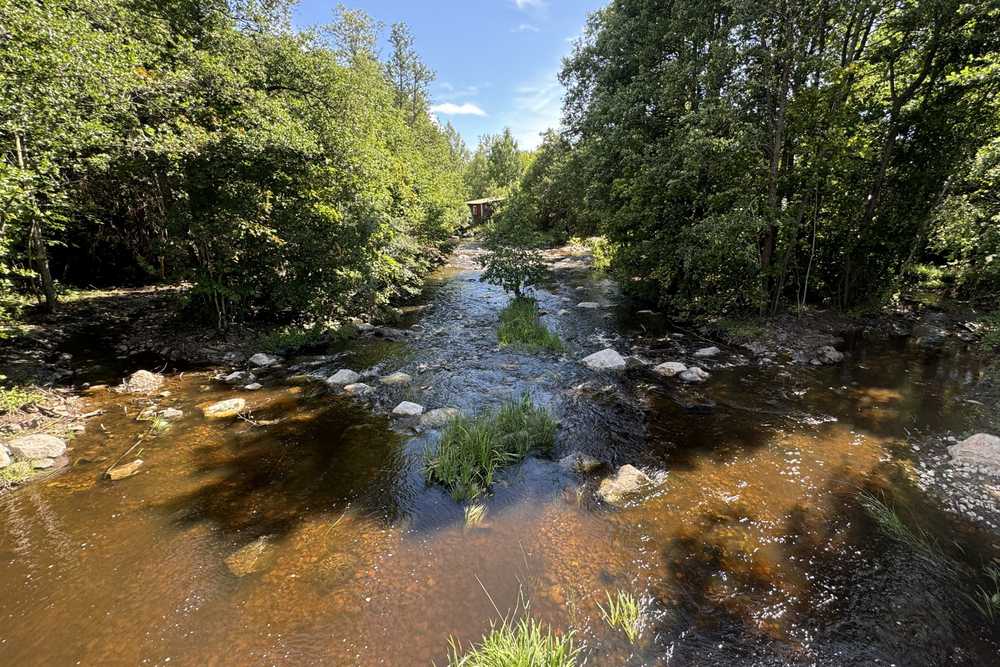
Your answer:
<point x="982" y="449"/>
<point x="260" y="360"/>
<point x="408" y="409"/>
<point x="605" y="360"/>
<point x="358" y="389"/>
<point x="670" y="369"/>
<point x="225" y="409"/>
<point x="142" y="382"/>
<point x="708" y="352"/>
<point x="694" y="374"/>
<point x="438" y="417"/>
<point x="343" y="377"/>
<point x="625" y="483"/>
<point x="37" y="446"/>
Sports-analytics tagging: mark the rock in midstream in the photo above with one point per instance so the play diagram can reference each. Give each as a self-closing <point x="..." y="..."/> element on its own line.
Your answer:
<point x="626" y="482"/>
<point x="343" y="377"/>
<point x="225" y="409"/>
<point x="605" y="360"/>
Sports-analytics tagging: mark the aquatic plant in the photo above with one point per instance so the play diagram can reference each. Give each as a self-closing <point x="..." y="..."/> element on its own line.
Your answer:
<point x="888" y="519"/>
<point x="474" y="515"/>
<point x="472" y="450"/>
<point x="623" y="613"/>
<point x="524" y="643"/>
<point x="15" y="473"/>
<point x="521" y="327"/>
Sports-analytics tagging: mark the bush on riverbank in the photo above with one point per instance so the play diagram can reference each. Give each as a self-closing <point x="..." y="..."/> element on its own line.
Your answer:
<point x="472" y="450"/>
<point x="521" y="327"/>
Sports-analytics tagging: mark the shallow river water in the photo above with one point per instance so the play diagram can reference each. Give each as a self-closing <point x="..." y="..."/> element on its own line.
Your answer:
<point x="752" y="551"/>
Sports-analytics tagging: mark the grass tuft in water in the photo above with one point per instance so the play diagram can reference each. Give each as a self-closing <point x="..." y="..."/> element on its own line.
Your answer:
<point x="623" y="613"/>
<point x="986" y="598"/>
<point x="474" y="515"/>
<point x="917" y="539"/>
<point x="521" y="327"/>
<point x="472" y="450"/>
<point x="525" y="643"/>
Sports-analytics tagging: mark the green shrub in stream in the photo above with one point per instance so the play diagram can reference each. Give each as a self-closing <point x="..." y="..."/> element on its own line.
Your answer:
<point x="526" y="643"/>
<point x="521" y="327"/>
<point x="472" y="450"/>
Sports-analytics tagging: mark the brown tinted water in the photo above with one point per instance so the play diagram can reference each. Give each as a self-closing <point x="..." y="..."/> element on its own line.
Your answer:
<point x="752" y="551"/>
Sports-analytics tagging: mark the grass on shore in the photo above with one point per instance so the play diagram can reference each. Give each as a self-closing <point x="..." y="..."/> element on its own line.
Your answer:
<point x="526" y="643"/>
<point x="15" y="398"/>
<point x="472" y="450"/>
<point x="623" y="613"/>
<point x="15" y="473"/>
<point x="521" y="327"/>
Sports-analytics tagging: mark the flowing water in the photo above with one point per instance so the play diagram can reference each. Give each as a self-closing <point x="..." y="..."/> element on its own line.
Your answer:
<point x="752" y="551"/>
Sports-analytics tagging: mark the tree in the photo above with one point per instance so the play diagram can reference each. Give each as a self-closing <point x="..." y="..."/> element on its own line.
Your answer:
<point x="354" y="34"/>
<point x="409" y="75"/>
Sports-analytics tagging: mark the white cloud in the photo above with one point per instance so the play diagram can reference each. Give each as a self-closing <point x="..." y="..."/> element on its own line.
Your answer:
<point x="446" y="92"/>
<point x="451" y="109"/>
<point x="537" y="106"/>
<point x="526" y="27"/>
<point x="529" y="4"/>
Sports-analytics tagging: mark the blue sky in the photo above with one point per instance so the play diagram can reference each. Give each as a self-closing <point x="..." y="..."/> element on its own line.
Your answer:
<point x="496" y="60"/>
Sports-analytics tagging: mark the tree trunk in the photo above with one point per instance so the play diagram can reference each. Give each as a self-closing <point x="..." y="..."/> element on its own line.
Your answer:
<point x="40" y="258"/>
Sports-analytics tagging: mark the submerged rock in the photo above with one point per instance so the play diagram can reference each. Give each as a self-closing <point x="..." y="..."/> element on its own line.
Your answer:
<point x="396" y="379"/>
<point x="828" y="355"/>
<point x="982" y="449"/>
<point x="627" y="482"/>
<point x="438" y="417"/>
<point x="142" y="382"/>
<point x="261" y="359"/>
<point x="588" y="305"/>
<point x="252" y="558"/>
<point x="580" y="463"/>
<point x="125" y="470"/>
<point x="256" y="386"/>
<point x="694" y="374"/>
<point x="358" y="389"/>
<point x="605" y="360"/>
<point x="37" y="446"/>
<point x="225" y="409"/>
<point x="343" y="377"/>
<point x="670" y="369"/>
<point x="408" y="409"/>
<point x="707" y="352"/>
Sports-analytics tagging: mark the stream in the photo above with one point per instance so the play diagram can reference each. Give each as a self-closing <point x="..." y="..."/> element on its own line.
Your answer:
<point x="752" y="550"/>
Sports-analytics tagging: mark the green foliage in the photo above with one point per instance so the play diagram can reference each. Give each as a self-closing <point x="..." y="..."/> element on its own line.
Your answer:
<point x="472" y="450"/>
<point x="295" y="338"/>
<point x="623" y="613"/>
<point x="13" y="399"/>
<point x="510" y="261"/>
<point x="522" y="643"/>
<point x="521" y="327"/>
<point x="495" y="167"/>
<point x="212" y="142"/>
<point x="989" y="334"/>
<point x="602" y="250"/>
<point x="799" y="152"/>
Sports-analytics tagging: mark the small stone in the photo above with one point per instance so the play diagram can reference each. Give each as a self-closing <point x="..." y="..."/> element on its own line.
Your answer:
<point x="225" y="409"/>
<point x="256" y="386"/>
<point x="125" y="470"/>
<point x="42" y="464"/>
<point x="408" y="409"/>
<point x="438" y="417"/>
<point x="670" y="369"/>
<point x="563" y="312"/>
<point x="588" y="305"/>
<point x="171" y="413"/>
<point x="343" y="377"/>
<point x="605" y="360"/>
<point x="981" y="449"/>
<point x="396" y="379"/>
<point x="828" y="355"/>
<point x="365" y="327"/>
<point x="238" y="377"/>
<point x="694" y="374"/>
<point x="580" y="463"/>
<point x="260" y="360"/>
<point x="4" y="457"/>
<point x="707" y="352"/>
<point x="143" y="382"/>
<point x="358" y="389"/>
<point x="628" y="481"/>
<point x="37" y="446"/>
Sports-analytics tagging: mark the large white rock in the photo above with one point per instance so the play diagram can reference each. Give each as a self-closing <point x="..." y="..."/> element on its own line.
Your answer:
<point x="408" y="409"/>
<point x="707" y="352"/>
<point x="343" y="377"/>
<point x="982" y="449"/>
<point x="37" y="446"/>
<point x="261" y="359"/>
<point x="627" y="482"/>
<point x="670" y="369"/>
<point x="225" y="409"/>
<point x="694" y="374"/>
<point x="396" y="379"/>
<point x="438" y="417"/>
<point x="605" y="360"/>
